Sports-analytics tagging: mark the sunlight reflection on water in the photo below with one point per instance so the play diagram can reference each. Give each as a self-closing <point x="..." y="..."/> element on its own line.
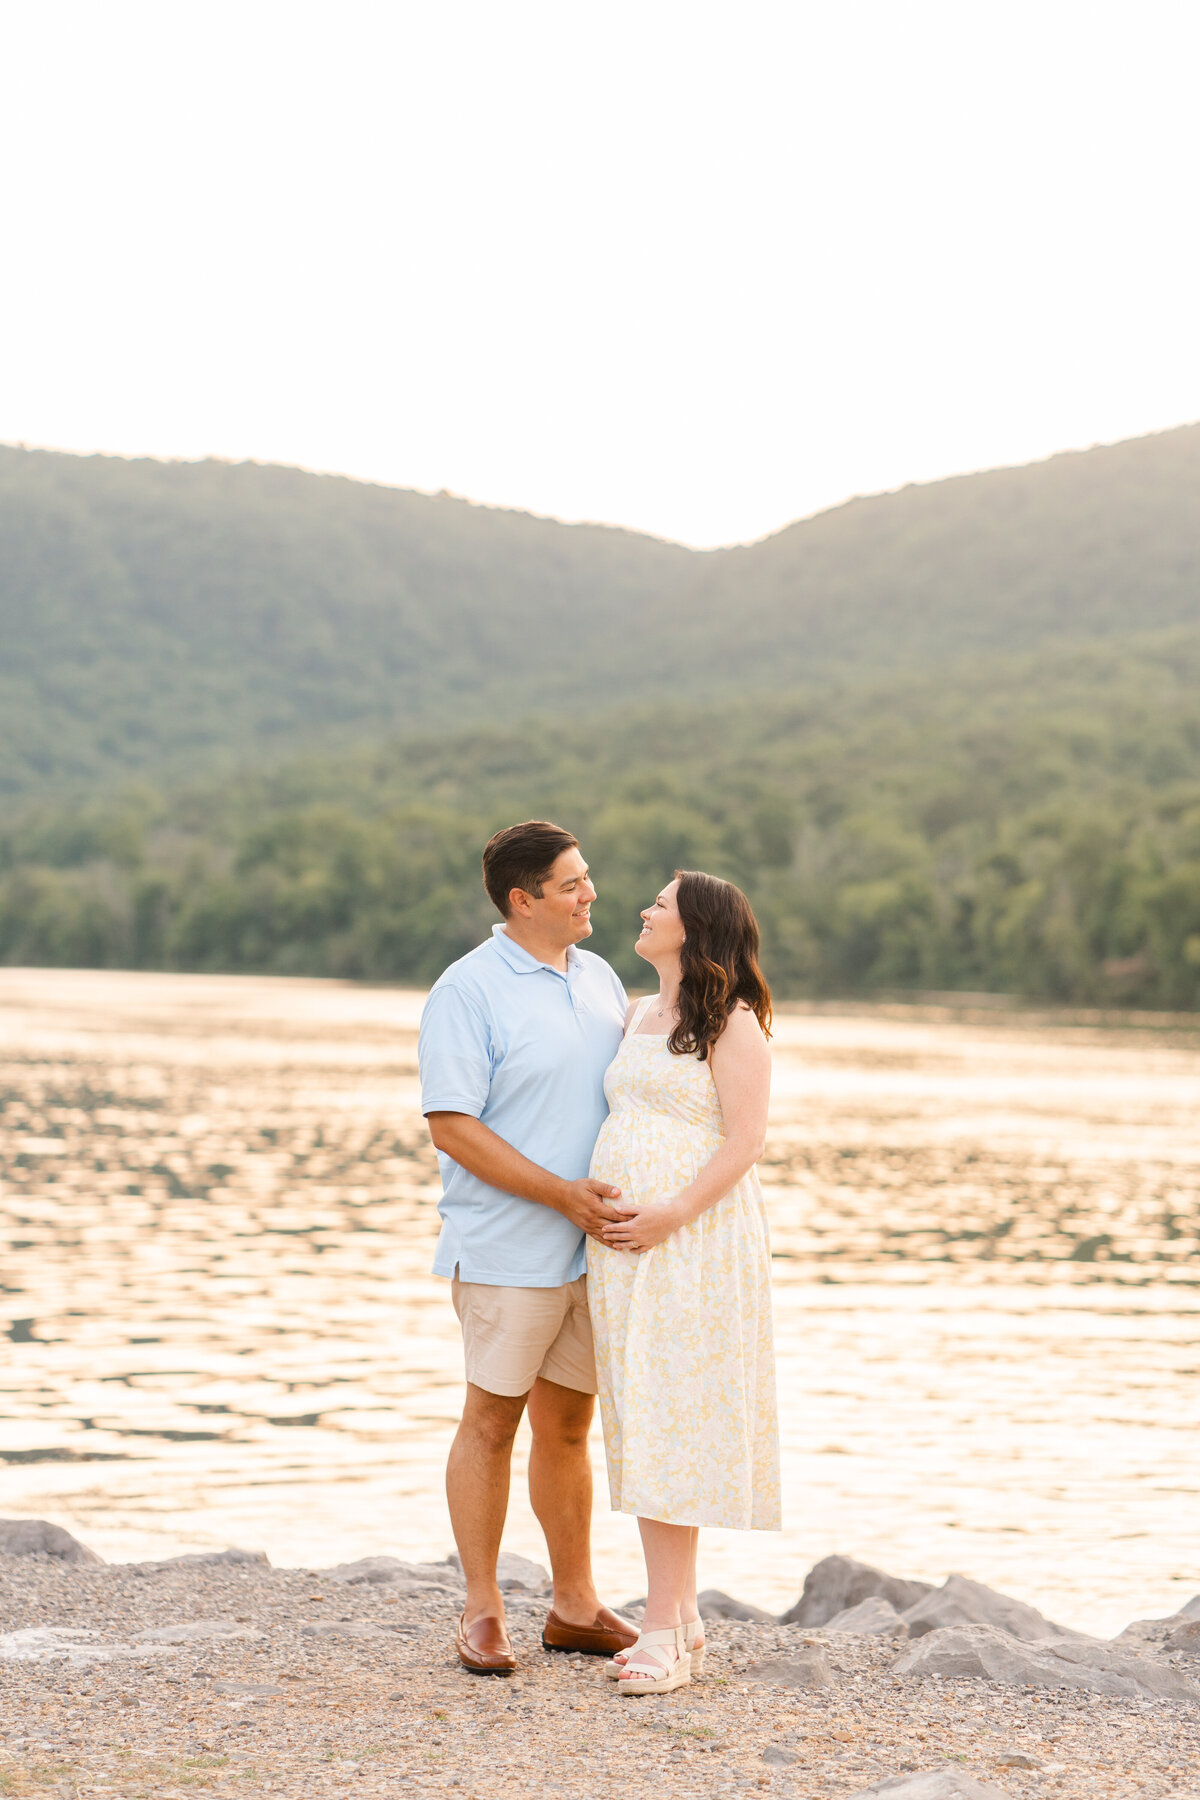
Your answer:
<point x="218" y="1214"/>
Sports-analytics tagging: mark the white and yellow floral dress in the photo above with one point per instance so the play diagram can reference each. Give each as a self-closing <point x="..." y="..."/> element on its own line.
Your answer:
<point x="684" y="1351"/>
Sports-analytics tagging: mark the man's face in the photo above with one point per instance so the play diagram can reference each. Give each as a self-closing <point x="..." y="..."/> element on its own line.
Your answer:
<point x="563" y="911"/>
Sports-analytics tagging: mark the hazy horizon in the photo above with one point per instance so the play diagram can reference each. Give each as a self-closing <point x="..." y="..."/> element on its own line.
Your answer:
<point x="692" y="276"/>
<point x="584" y="519"/>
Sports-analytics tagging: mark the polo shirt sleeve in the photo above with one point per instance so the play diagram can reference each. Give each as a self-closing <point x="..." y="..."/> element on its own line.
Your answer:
<point x="454" y="1053"/>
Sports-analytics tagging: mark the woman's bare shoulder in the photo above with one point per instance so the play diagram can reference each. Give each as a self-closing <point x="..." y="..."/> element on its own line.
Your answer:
<point x="745" y="1018"/>
<point x="742" y="1029"/>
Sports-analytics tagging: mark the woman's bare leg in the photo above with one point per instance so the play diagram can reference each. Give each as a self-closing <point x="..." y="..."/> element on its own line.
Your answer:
<point x="670" y="1552"/>
<point x="690" y="1605"/>
<point x="667" y="1553"/>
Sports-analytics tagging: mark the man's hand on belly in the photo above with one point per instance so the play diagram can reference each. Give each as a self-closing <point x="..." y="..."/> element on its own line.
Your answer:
<point x="584" y="1204"/>
<point x="476" y="1148"/>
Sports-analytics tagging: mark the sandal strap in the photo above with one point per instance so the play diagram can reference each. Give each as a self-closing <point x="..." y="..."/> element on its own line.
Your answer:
<point x="654" y="1660"/>
<point x="668" y="1636"/>
<point x="652" y="1654"/>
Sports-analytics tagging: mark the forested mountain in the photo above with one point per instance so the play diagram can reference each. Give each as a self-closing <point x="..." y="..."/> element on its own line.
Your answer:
<point x="255" y="719"/>
<point x="194" y="615"/>
<point x="1084" y="547"/>
<point x="180" y="617"/>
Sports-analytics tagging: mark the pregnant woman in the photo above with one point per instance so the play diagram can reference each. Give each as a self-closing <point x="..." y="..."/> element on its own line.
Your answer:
<point x="679" y="1290"/>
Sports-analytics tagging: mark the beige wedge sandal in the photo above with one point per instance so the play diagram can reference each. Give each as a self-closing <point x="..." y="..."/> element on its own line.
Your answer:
<point x="659" y="1663"/>
<point x="693" y="1629"/>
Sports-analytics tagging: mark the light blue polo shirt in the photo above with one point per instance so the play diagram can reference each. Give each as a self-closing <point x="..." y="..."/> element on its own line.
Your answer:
<point x="520" y="1046"/>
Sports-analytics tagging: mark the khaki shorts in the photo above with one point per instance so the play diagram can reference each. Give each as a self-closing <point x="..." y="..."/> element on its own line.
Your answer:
<point x="511" y="1335"/>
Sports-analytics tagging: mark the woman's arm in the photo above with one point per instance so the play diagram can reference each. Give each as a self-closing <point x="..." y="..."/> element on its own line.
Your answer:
<point x="741" y="1068"/>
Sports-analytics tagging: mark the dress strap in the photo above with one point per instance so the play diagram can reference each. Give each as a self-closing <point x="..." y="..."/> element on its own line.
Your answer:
<point x="639" y="1013"/>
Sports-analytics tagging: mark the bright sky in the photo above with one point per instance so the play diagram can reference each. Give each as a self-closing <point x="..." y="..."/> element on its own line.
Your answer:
<point x="699" y="269"/>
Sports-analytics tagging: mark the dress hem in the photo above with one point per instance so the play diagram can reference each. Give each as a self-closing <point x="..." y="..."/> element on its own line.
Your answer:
<point x="707" y="1523"/>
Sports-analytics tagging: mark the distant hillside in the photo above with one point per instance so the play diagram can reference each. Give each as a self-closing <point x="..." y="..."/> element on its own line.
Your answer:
<point x="176" y="618"/>
<point x="1086" y="546"/>
<point x="194" y="614"/>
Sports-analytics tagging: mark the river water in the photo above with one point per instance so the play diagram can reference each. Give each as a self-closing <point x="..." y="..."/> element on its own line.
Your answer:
<point x="217" y="1213"/>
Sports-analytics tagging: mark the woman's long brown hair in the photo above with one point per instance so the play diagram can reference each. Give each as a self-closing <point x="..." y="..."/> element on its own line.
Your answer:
<point x="718" y="962"/>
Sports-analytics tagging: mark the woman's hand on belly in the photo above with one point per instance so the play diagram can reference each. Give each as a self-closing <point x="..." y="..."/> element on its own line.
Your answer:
<point x="643" y="1226"/>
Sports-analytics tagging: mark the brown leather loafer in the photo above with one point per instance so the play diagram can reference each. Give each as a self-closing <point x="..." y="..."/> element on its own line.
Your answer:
<point x="607" y="1634"/>
<point x="484" y="1647"/>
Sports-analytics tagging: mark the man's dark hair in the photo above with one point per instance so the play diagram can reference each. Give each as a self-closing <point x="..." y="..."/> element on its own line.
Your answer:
<point x="522" y="856"/>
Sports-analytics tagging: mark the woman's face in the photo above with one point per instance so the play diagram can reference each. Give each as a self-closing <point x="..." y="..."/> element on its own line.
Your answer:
<point x="662" y="928"/>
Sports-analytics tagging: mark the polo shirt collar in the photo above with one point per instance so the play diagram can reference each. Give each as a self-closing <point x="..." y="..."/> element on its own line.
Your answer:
<point x="519" y="959"/>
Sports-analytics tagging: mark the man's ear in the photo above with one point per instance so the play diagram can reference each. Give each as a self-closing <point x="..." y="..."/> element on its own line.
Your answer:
<point x="520" y="903"/>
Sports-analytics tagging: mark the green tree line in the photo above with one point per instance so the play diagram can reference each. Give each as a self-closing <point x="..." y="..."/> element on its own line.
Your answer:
<point x="1021" y="825"/>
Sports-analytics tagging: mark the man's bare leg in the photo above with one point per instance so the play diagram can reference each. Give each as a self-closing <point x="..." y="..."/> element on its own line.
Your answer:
<point x="478" y="1474"/>
<point x="560" y="1490"/>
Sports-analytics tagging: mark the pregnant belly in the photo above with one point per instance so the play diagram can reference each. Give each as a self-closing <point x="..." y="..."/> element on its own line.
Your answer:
<point x="651" y="1161"/>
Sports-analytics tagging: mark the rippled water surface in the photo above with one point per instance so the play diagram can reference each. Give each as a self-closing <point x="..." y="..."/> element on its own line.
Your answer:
<point x="217" y="1217"/>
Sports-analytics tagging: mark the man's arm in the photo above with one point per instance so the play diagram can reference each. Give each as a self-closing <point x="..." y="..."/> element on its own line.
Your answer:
<point x="476" y="1148"/>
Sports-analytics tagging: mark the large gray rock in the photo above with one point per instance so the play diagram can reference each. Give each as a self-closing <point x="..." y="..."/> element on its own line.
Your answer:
<point x="1156" y="1631"/>
<point x="38" y="1537"/>
<point x="515" y="1573"/>
<point x="960" y="1601"/>
<point x="838" y="1582"/>
<point x="989" y="1654"/>
<point x="806" y="1669"/>
<point x="1185" y="1638"/>
<point x="412" y="1577"/>
<point x="933" y="1784"/>
<point x="713" y="1604"/>
<point x="875" y="1617"/>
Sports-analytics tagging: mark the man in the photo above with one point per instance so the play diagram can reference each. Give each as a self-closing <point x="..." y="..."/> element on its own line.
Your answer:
<point x="514" y="1042"/>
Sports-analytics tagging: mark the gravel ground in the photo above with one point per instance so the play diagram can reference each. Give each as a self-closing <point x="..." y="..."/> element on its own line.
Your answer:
<point x="336" y="1689"/>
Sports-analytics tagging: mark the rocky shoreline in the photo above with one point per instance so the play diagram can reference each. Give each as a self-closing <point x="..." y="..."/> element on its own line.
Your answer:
<point x="218" y="1673"/>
